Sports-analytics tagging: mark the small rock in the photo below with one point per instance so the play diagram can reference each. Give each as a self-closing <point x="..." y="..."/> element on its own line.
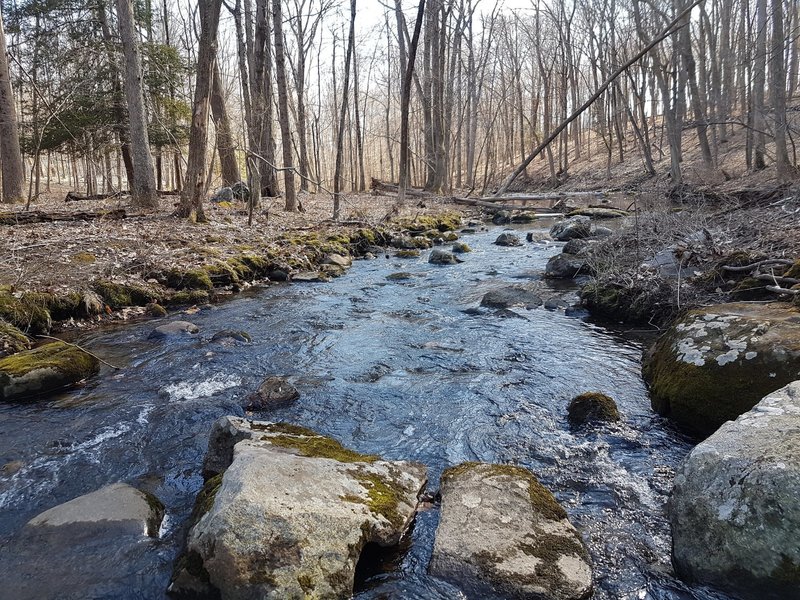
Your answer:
<point x="48" y="368"/>
<point x="523" y="218"/>
<point x="469" y="230"/>
<point x="401" y="276"/>
<point x="576" y="247"/>
<point x="507" y="239"/>
<point x="502" y="533"/>
<point x="555" y="303"/>
<point x="407" y="253"/>
<point x="502" y="218"/>
<point x="174" y="328"/>
<point x="273" y="392"/>
<point x="229" y="336"/>
<point x="566" y="266"/>
<point x="590" y="407"/>
<point x="461" y="248"/>
<point x="505" y="313"/>
<point x="307" y="277"/>
<point x="338" y="260"/>
<point x="602" y="232"/>
<point x="224" y="194"/>
<point x="278" y="275"/>
<point x="155" y="310"/>
<point x="369" y="256"/>
<point x="735" y="505"/>
<point x="529" y="237"/>
<point x="511" y="296"/>
<point x="575" y="227"/>
<point x="403" y="243"/>
<point x="443" y="257"/>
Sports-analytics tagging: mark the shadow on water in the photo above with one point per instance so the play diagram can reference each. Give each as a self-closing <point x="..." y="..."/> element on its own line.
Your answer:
<point x="389" y="367"/>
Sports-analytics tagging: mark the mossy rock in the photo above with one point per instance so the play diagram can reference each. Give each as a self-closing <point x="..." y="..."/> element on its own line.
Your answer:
<point x="120" y="295"/>
<point x="461" y="248"/>
<point x="12" y="340"/>
<point x="221" y="274"/>
<point x="450" y="236"/>
<point x="591" y="407"/>
<point x="189" y="279"/>
<point x="49" y="368"/>
<point x="29" y="312"/>
<point x="649" y="302"/>
<point x="751" y="288"/>
<point x="156" y="310"/>
<point x="189" y="297"/>
<point x="716" y="363"/>
<point x="407" y="254"/>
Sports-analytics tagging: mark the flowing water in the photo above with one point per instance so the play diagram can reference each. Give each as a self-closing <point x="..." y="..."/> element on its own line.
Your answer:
<point x="395" y="368"/>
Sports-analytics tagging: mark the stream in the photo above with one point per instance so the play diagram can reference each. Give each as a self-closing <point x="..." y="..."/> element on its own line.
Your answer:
<point x="395" y="368"/>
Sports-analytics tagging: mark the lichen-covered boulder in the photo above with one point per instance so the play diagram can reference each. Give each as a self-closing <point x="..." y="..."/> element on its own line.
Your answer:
<point x="735" y="507"/>
<point x="502" y="533"/>
<point x="49" y="368"/>
<point x="511" y="296"/>
<point x="566" y="266"/>
<point x="574" y="227"/>
<point x="291" y="514"/>
<point x="507" y="239"/>
<point x="590" y="407"/>
<point x="717" y="362"/>
<point x="12" y="340"/>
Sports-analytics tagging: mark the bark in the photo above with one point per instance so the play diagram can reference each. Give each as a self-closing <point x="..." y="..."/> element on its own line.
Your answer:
<point x="143" y="186"/>
<point x="290" y="197"/>
<point x="10" y="153"/>
<point x="777" y="71"/>
<point x="759" y="80"/>
<point x="226" y="146"/>
<point x="191" y="204"/>
<point x="337" y="174"/>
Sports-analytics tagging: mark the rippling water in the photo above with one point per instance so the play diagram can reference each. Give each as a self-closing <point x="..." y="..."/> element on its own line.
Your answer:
<point x="393" y="368"/>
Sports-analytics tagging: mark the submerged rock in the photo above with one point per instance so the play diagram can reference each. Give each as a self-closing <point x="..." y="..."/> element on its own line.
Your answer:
<point x="272" y="393"/>
<point x="566" y="266"/>
<point x="99" y="545"/>
<point x="511" y="296"/>
<point x="174" y="328"/>
<point x="48" y="368"/>
<point x="735" y="507"/>
<point x="507" y="239"/>
<point x="574" y="227"/>
<point x="292" y="513"/>
<point x="590" y="407"/>
<point x="717" y="362"/>
<point x="442" y="257"/>
<point x="407" y="253"/>
<point x="502" y="533"/>
<point x="230" y="336"/>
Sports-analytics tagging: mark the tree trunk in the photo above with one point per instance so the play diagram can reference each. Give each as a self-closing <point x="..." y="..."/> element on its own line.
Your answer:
<point x="225" y="144"/>
<point x="405" y="97"/>
<point x="143" y="187"/>
<point x="194" y="191"/>
<point x="759" y="81"/>
<point x="10" y="153"/>
<point x="283" y="109"/>
<point x="337" y="174"/>
<point x="777" y="71"/>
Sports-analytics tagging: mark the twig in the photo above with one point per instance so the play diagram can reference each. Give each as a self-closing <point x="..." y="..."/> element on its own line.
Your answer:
<point x="50" y="337"/>
<point x="780" y="290"/>
<point x="761" y="263"/>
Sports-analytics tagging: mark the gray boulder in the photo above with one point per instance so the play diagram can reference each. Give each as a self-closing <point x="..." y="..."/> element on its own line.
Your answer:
<point x="566" y="266"/>
<point x="46" y="369"/>
<point x="717" y="362"/>
<point x="574" y="227"/>
<point x="735" y="507"/>
<point x="99" y="545"/>
<point x="511" y="296"/>
<point x="224" y="194"/>
<point x="443" y="257"/>
<point x="602" y="232"/>
<point x="240" y="190"/>
<point x="502" y="533"/>
<point x="502" y="217"/>
<point x="338" y="260"/>
<point x="174" y="328"/>
<point x="272" y="393"/>
<point x="577" y="246"/>
<point x="507" y="239"/>
<point x="291" y="514"/>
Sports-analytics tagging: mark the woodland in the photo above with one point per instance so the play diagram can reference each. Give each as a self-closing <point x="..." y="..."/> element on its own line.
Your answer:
<point x="460" y="97"/>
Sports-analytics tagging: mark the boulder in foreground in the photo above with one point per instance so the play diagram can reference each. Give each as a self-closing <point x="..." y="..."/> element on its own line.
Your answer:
<point x="717" y="362"/>
<point x="291" y="514"/>
<point x="503" y="533"/>
<point x="735" y="507"/>
<point x="49" y="368"/>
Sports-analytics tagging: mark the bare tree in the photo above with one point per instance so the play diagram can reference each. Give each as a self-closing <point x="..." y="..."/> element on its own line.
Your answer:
<point x="225" y="143"/>
<point x="337" y="174"/>
<point x="290" y="198"/>
<point x="405" y="101"/>
<point x="10" y="154"/>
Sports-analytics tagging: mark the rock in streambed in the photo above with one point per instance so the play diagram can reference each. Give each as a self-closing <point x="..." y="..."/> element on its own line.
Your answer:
<point x="292" y="512"/>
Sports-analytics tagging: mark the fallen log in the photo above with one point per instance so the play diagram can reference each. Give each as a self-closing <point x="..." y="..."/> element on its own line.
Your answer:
<point x="377" y="186"/>
<point x="76" y="197"/>
<point x="26" y="218"/>
<point x="494" y="206"/>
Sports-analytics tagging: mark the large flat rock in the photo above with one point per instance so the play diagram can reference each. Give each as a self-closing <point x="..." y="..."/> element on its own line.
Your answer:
<point x="291" y="514"/>
<point x="503" y="534"/>
<point x="735" y="507"/>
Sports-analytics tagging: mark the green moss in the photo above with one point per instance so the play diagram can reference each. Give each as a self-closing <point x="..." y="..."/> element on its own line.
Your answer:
<point x="189" y="279"/>
<point x="382" y="497"/>
<point x="541" y="498"/>
<point x="287" y="428"/>
<point x="157" y="512"/>
<point x="83" y="258"/>
<point x="205" y="498"/>
<point x="120" y="295"/>
<point x="306" y="583"/>
<point x="450" y="236"/>
<point x="407" y="254"/>
<point x="63" y="306"/>
<point x="220" y="274"/>
<point x="156" y="310"/>
<point x="319" y="446"/>
<point x="461" y="248"/>
<point x="549" y="548"/>
<point x="28" y="313"/>
<point x="12" y="340"/>
<point x="366" y="236"/>
<point x="189" y="297"/>
<point x="421" y="242"/>
<point x="592" y="406"/>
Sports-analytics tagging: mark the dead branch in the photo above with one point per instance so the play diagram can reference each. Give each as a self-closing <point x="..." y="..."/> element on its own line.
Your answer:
<point x="780" y="290"/>
<point x="756" y="265"/>
<point x="25" y="218"/>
